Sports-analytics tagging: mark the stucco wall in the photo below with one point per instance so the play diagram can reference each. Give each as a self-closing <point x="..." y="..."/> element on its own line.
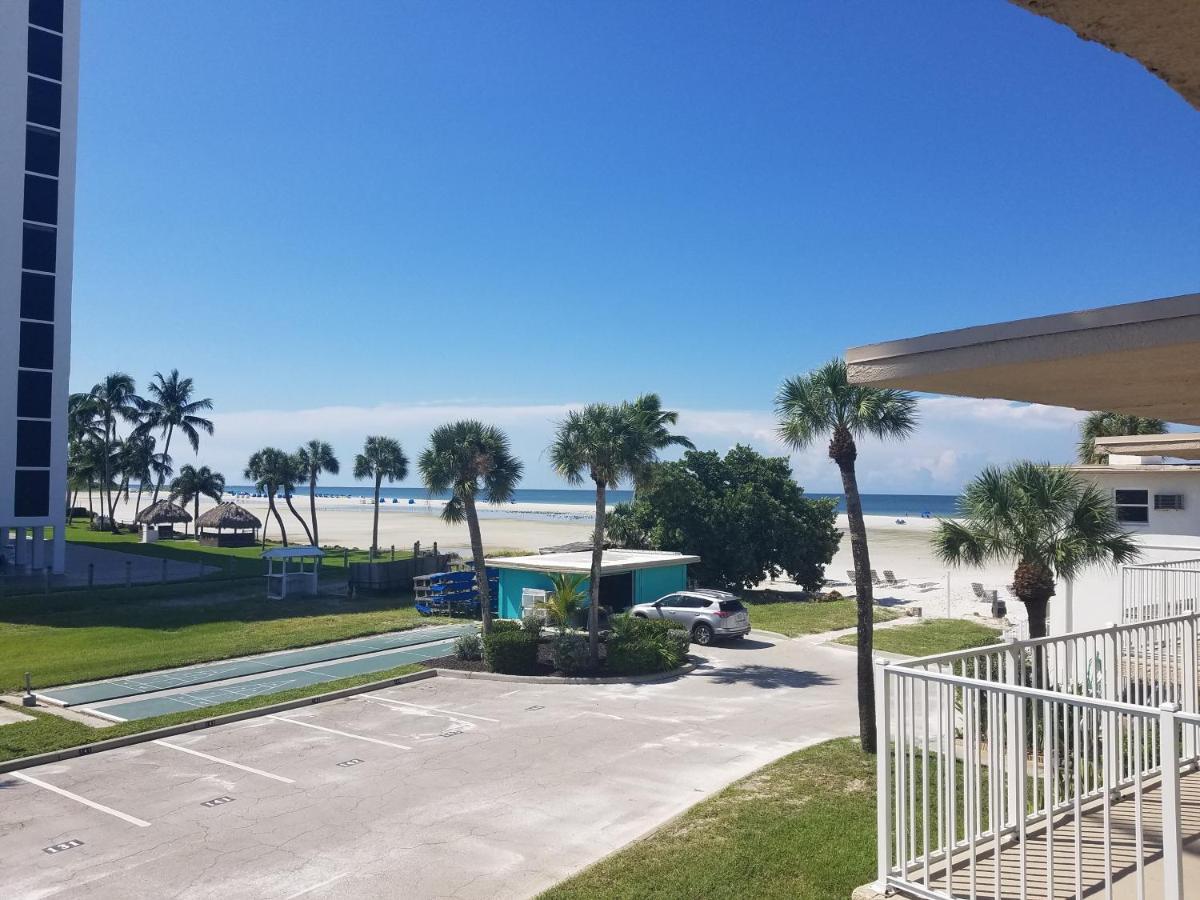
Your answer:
<point x="648" y="586"/>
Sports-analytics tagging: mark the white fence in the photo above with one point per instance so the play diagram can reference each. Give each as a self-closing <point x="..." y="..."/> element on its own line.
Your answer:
<point x="1038" y="768"/>
<point x="1155" y="590"/>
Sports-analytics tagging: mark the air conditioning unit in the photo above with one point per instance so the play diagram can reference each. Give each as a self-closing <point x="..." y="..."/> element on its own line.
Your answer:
<point x="1168" y="501"/>
<point x="531" y="597"/>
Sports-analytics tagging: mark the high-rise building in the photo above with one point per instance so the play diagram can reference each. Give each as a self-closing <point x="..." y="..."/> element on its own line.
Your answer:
<point x="39" y="95"/>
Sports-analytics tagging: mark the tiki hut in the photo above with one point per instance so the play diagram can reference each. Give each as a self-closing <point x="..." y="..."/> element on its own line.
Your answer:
<point x="228" y="525"/>
<point x="159" y="520"/>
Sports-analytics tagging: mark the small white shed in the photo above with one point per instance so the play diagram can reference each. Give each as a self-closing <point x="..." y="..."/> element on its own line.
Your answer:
<point x="299" y="569"/>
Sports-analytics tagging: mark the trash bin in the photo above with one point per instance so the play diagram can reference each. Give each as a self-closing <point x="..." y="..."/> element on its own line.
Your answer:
<point x="999" y="607"/>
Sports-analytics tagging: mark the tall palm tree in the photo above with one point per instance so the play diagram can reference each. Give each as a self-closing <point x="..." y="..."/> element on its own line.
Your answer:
<point x="658" y="422"/>
<point x="137" y="462"/>
<point x="170" y="406"/>
<point x="466" y="458"/>
<point x="293" y="476"/>
<point x="83" y="418"/>
<point x="382" y="457"/>
<point x="1111" y="424"/>
<point x="1046" y="520"/>
<point x="824" y="402"/>
<point x="115" y="399"/>
<point x="607" y="444"/>
<point x="316" y="457"/>
<point x="191" y="484"/>
<point x="268" y="469"/>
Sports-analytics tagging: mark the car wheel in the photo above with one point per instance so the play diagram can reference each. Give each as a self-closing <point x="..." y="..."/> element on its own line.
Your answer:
<point x="702" y="635"/>
<point x="639" y="615"/>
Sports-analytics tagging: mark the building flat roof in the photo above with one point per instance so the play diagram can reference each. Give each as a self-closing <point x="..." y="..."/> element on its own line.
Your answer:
<point x="1179" y="445"/>
<point x="614" y="561"/>
<point x="1136" y="358"/>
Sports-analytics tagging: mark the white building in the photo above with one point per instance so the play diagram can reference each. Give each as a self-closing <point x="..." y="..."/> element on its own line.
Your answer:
<point x="39" y="93"/>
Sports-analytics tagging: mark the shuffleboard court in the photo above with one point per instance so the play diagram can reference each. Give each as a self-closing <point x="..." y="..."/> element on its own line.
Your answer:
<point x="163" y="704"/>
<point x="171" y="679"/>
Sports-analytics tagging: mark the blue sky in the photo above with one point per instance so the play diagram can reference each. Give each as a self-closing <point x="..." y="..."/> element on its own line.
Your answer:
<point x="376" y="215"/>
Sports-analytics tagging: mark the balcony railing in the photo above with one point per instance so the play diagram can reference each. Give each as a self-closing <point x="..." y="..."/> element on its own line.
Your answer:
<point x="1043" y="768"/>
<point x="1159" y="589"/>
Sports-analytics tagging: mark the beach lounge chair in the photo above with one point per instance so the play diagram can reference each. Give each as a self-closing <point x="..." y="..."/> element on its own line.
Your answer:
<point x="875" y="579"/>
<point x="890" y="577"/>
<point x="850" y="576"/>
<point x="980" y="593"/>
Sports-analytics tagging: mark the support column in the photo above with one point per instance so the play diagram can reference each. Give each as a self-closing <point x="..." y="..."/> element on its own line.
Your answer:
<point x="59" y="551"/>
<point x="37" y="549"/>
<point x="20" y="551"/>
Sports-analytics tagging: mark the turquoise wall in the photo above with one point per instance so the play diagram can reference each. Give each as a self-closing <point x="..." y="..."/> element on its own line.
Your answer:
<point x="648" y="586"/>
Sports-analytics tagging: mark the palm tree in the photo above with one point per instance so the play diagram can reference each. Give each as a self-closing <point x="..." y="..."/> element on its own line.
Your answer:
<point x="115" y="398"/>
<point x="824" y="402"/>
<point x="137" y="462"/>
<point x="564" y="598"/>
<point x="191" y="484"/>
<point x="1111" y="424"/>
<point x="382" y="457"/>
<point x="316" y="457"/>
<point x="656" y="421"/>
<point x="293" y="476"/>
<point x="170" y="406"/>
<point x="267" y="469"/>
<point x="1046" y="520"/>
<point x="607" y="444"/>
<point x="465" y="458"/>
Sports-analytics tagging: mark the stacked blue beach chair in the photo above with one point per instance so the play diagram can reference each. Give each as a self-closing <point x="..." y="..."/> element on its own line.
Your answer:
<point x="453" y="593"/>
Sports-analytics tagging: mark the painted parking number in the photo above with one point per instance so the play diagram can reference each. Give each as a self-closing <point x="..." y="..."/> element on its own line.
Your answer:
<point x="218" y="801"/>
<point x="65" y="845"/>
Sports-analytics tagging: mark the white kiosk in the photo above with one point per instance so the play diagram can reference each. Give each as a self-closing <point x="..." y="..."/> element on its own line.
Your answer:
<point x="298" y="573"/>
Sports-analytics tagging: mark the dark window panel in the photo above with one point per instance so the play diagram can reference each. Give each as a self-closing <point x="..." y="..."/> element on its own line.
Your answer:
<point x="39" y="248"/>
<point x="43" y="103"/>
<point x="37" y="296"/>
<point x="41" y="199"/>
<point x="47" y="13"/>
<point x="33" y="443"/>
<point x="41" y="150"/>
<point x="45" y="54"/>
<point x="34" y="394"/>
<point x="37" y="346"/>
<point x="31" y="493"/>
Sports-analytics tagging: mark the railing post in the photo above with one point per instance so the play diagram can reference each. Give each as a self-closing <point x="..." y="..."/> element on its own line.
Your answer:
<point x="1172" y="839"/>
<point x="1014" y="677"/>
<point x="1189" y="685"/>
<point x="883" y="756"/>
<point x="1111" y="674"/>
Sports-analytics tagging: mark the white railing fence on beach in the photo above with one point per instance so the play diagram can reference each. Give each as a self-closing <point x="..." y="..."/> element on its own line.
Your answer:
<point x="1039" y="768"/>
<point x="1159" y="589"/>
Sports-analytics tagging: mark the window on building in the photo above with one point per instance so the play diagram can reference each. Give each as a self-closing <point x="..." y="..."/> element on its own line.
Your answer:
<point x="43" y="102"/>
<point x="47" y="14"/>
<point x="41" y="150"/>
<point x="37" y="346"/>
<point x="37" y="296"/>
<point x="41" y="199"/>
<point x="31" y="493"/>
<point x="33" y="443"/>
<point x="1168" y="501"/>
<point x="33" y="394"/>
<point x="39" y="248"/>
<point x="45" y="54"/>
<point x="1133" y="506"/>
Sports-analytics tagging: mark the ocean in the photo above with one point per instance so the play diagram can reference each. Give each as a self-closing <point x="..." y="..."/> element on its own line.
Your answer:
<point x="900" y="505"/>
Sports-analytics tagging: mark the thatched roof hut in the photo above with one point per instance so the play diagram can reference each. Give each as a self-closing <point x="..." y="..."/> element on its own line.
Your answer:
<point x="164" y="512"/>
<point x="228" y="525"/>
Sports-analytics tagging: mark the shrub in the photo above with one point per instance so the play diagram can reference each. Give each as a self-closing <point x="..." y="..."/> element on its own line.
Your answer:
<point x="641" y="646"/>
<point x="832" y="595"/>
<point x="570" y="652"/>
<point x="468" y="646"/>
<point x="532" y="622"/>
<point x="511" y="652"/>
<point x="500" y="626"/>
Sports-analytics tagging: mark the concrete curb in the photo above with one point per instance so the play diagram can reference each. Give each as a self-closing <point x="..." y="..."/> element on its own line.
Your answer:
<point x="562" y="679"/>
<point x="41" y="759"/>
<point x="774" y="634"/>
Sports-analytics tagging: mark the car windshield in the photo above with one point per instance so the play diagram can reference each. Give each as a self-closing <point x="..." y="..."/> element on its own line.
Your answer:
<point x="732" y="606"/>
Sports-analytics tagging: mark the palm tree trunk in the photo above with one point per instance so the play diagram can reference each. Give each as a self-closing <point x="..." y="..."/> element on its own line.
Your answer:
<point x="865" y="601"/>
<point x="594" y="587"/>
<point x="163" y="474"/>
<point x="278" y="519"/>
<point x="287" y="497"/>
<point x="112" y="523"/>
<point x="138" y="506"/>
<point x="481" y="582"/>
<point x="312" y="508"/>
<point x="375" y="511"/>
<point x="196" y="513"/>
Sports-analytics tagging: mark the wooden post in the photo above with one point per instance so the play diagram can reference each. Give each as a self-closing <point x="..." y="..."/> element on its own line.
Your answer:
<point x="436" y="567"/>
<point x="393" y="553"/>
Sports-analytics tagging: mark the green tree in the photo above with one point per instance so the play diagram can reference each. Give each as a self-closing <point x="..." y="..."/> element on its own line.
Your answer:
<point x="268" y="469"/>
<point x="1047" y="521"/>
<point x="606" y="444"/>
<point x="467" y="459"/>
<point x="294" y="474"/>
<point x="743" y="515"/>
<point x="382" y="457"/>
<point x="824" y="402"/>
<point x="564" y="598"/>
<point x="115" y="400"/>
<point x="316" y="457"/>
<point x="170" y="406"/>
<point x="191" y="484"/>
<point x="137" y="461"/>
<point x="657" y="423"/>
<point x="1111" y="424"/>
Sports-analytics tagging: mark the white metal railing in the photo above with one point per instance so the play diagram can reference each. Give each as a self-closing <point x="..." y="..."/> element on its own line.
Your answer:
<point x="1154" y="590"/>
<point x="1003" y="770"/>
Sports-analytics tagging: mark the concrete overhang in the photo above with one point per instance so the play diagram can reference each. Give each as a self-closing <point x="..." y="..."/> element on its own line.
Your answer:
<point x="1177" y="445"/>
<point x="1163" y="35"/>
<point x="1136" y="358"/>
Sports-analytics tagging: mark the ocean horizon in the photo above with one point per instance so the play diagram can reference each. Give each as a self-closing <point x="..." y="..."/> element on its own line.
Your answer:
<point x="901" y="505"/>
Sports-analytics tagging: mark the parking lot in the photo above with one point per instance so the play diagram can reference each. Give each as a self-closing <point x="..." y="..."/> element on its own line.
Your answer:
<point x="442" y="788"/>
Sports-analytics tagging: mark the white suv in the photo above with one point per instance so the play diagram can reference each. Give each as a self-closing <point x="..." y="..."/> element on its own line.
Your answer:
<point x="706" y="614"/>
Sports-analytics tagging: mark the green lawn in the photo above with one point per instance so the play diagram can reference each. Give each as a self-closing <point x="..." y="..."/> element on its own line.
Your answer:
<point x="79" y="636"/>
<point x="49" y="732"/>
<point x="932" y="636"/>
<point x="802" y="828"/>
<point x="773" y="611"/>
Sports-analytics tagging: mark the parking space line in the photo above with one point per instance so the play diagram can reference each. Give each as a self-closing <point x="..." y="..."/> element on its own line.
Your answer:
<point x="445" y="712"/>
<point x="226" y="762"/>
<point x="357" y="737"/>
<point x="309" y="890"/>
<point x="132" y="820"/>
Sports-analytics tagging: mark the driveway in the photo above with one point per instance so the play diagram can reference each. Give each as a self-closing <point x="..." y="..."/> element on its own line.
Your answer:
<point x="441" y="788"/>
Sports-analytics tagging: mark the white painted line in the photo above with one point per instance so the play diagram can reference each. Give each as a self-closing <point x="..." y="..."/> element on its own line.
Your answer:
<point x="225" y="762"/>
<point x="510" y="693"/>
<point x="132" y="820"/>
<point x="358" y="737"/>
<point x="102" y="714"/>
<point x="445" y="712"/>
<point x="309" y="890"/>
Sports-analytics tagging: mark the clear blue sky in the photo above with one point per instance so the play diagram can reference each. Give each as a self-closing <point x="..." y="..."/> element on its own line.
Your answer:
<point x="525" y="205"/>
